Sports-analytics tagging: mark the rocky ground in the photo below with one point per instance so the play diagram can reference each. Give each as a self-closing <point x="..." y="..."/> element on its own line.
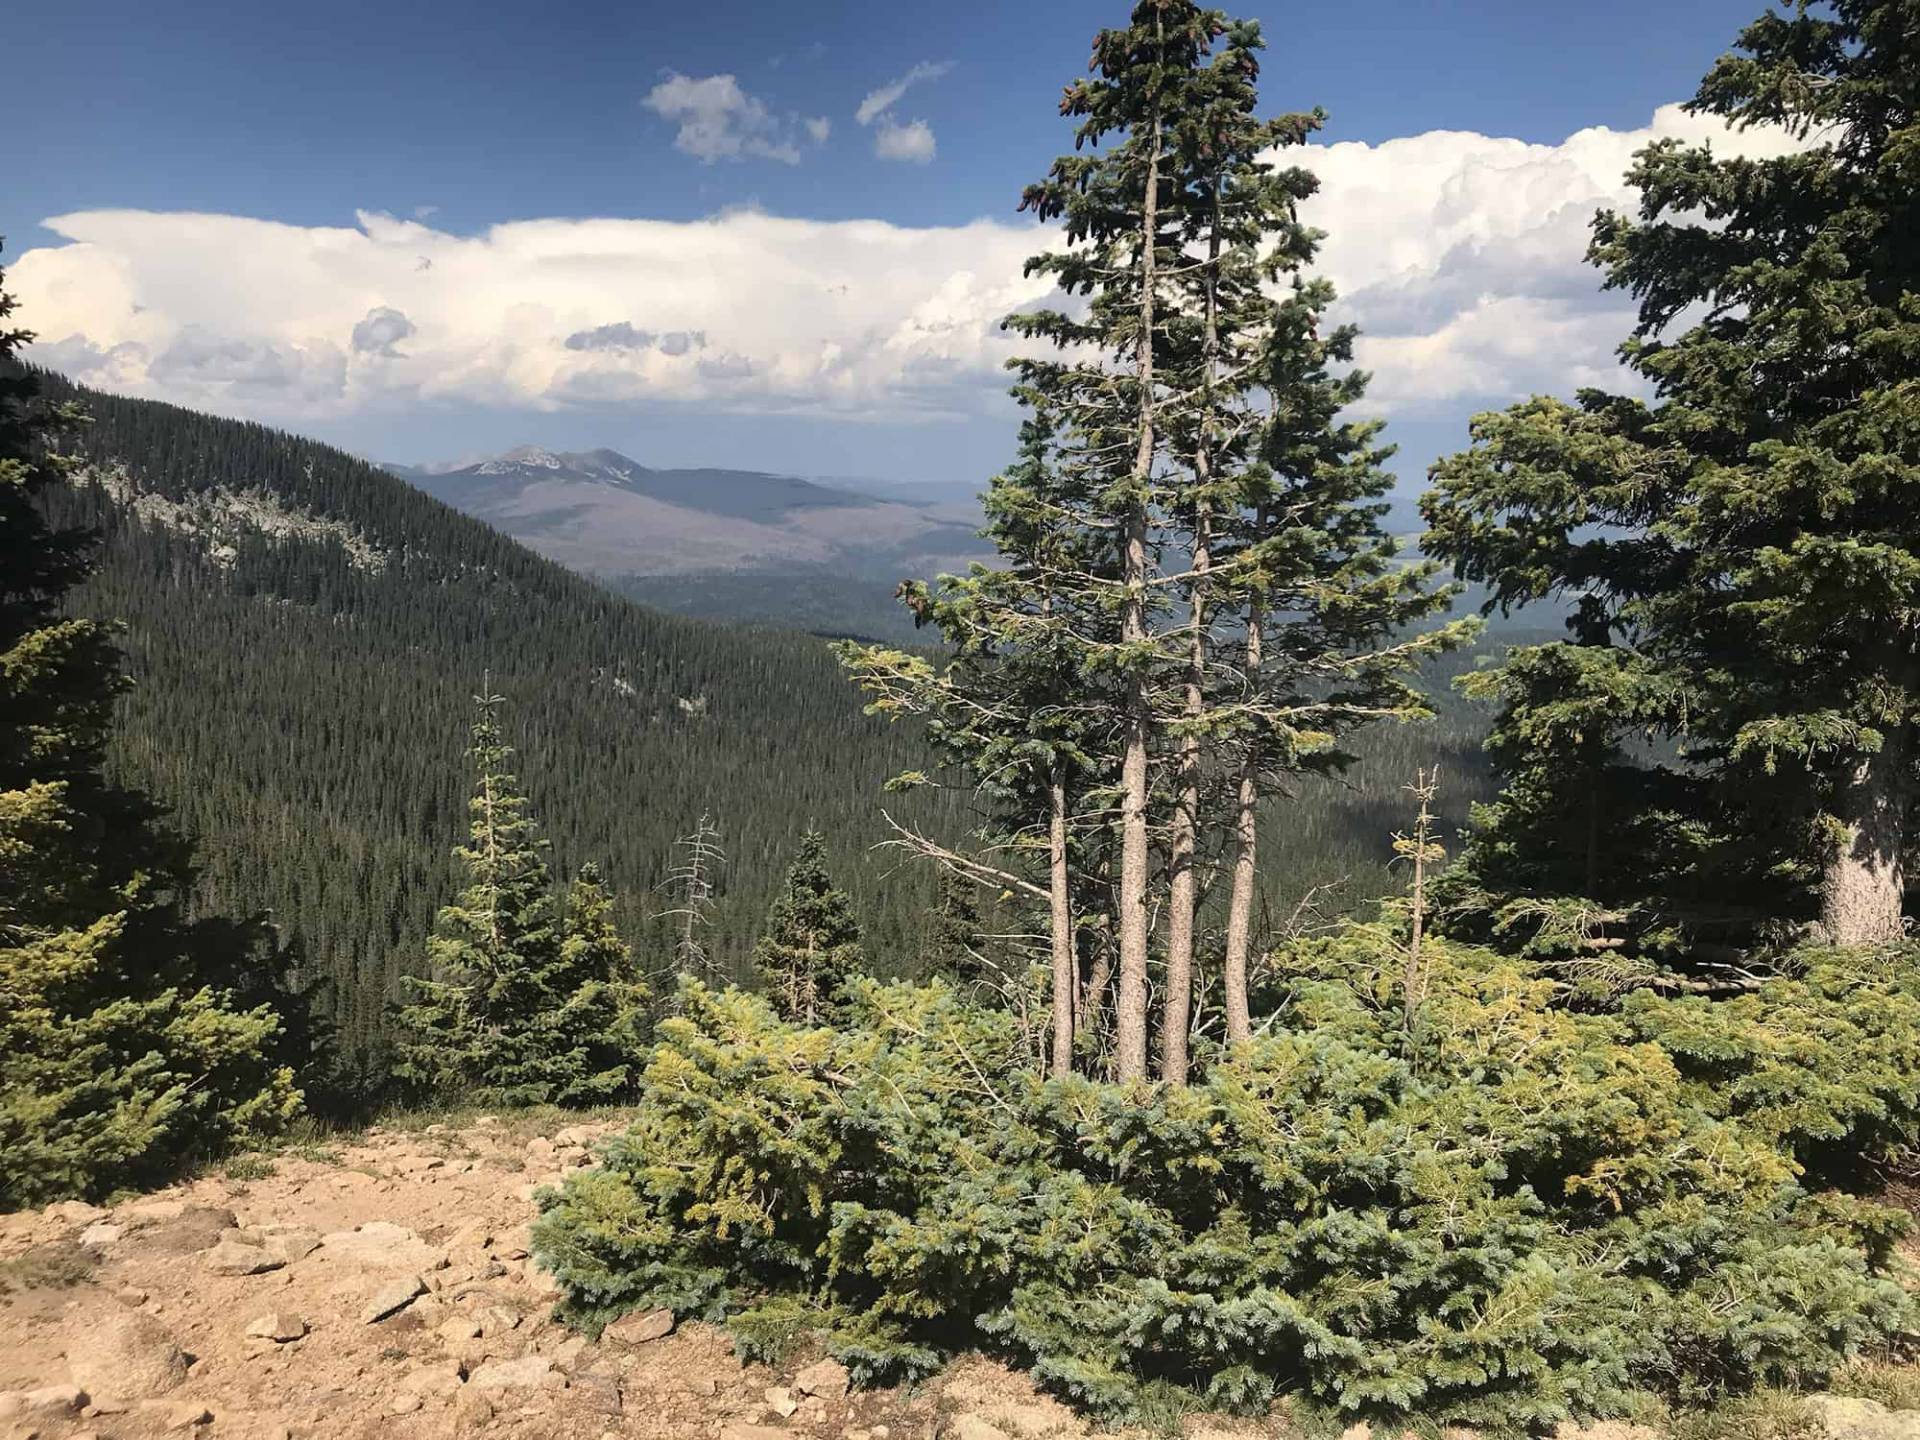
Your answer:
<point x="383" y="1289"/>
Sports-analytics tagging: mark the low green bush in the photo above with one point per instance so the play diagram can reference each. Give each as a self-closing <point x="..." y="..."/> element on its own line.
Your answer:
<point x="1514" y="1213"/>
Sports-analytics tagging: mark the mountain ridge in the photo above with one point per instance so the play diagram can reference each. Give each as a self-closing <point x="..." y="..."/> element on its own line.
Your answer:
<point x="605" y="514"/>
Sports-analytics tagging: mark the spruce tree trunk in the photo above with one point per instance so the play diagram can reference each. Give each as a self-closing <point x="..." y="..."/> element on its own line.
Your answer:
<point x="1183" y="897"/>
<point x="1089" y="1015"/>
<point x="1066" y="975"/>
<point x="1183" y="887"/>
<point x="1130" y="1009"/>
<point x="1246" y="835"/>
<point x="1862" y="891"/>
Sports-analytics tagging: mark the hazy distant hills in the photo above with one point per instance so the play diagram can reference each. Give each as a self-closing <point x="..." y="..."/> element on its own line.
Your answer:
<point x="743" y="545"/>
<point x="605" y="514"/>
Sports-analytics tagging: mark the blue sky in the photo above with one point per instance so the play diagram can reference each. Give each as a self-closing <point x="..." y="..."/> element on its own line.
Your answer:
<point x="463" y="118"/>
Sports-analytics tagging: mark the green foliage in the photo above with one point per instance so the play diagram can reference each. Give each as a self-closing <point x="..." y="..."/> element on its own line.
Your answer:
<point x="811" y="944"/>
<point x="518" y="1005"/>
<point x="303" y="714"/>
<point x="1740" y="549"/>
<point x="302" y="718"/>
<point x="1518" y="1214"/>
<point x="124" y="1047"/>
<point x="950" y="946"/>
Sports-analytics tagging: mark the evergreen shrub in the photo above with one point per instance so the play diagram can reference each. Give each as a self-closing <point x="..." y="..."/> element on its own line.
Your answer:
<point x="1509" y="1213"/>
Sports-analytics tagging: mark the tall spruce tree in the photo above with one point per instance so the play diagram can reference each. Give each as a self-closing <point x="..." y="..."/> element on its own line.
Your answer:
<point x="1743" y="549"/>
<point x="1194" y="598"/>
<point x="517" y="1005"/>
<point x="597" y="1031"/>
<point x="123" y="1052"/>
<point x="1299" y="620"/>
<point x="1015" y="707"/>
<point x="1115" y="198"/>
<point x="811" y="945"/>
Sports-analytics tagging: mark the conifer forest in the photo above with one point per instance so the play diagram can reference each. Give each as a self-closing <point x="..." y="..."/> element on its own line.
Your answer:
<point x="1217" y="956"/>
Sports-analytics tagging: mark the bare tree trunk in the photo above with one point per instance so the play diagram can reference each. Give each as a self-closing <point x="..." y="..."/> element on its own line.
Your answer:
<point x="1065" y="971"/>
<point x="1182" y="896"/>
<point x="1862" y="891"/>
<point x="1130" y="1010"/>
<point x="1090" y="1013"/>
<point x="1246" y="837"/>
<point x="1422" y="849"/>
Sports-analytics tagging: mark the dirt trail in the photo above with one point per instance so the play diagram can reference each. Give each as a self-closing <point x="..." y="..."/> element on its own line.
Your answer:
<point x="385" y="1290"/>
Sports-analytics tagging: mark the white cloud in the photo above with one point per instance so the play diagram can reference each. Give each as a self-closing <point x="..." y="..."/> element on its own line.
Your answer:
<point x="718" y="120"/>
<point x="819" y="127"/>
<point x="881" y="100"/>
<point x="1460" y="255"/>
<point x="745" y="311"/>
<point x="912" y="142"/>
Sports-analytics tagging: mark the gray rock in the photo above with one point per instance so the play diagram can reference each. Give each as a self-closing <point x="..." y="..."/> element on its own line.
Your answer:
<point x="47" y="1400"/>
<point x="640" y="1328"/>
<point x="122" y="1354"/>
<point x="277" y="1325"/>
<point x="382" y="1245"/>
<point x="101" y="1234"/>
<point x="498" y="1319"/>
<point x="240" y="1257"/>
<point x="289" y="1243"/>
<point x="828" y="1380"/>
<point x="780" y="1400"/>
<point x="391" y="1298"/>
<point x="1847" y="1417"/>
<point x="525" y="1373"/>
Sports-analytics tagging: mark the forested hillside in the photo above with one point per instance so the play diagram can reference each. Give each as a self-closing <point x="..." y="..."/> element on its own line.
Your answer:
<point x="305" y="633"/>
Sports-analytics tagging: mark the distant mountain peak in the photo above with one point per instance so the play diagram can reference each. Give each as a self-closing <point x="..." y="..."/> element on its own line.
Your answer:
<point x="601" y="512"/>
<point x="603" y="465"/>
<point x="523" y="457"/>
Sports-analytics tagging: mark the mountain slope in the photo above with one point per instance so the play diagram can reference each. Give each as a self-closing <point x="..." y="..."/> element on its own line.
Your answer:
<point x="604" y="514"/>
<point x="305" y="633"/>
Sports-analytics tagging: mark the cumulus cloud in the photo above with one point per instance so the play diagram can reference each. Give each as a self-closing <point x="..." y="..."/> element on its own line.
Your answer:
<point x="910" y="140"/>
<point x="1460" y="256"/>
<point x="744" y="311"/>
<point x="717" y="120"/>
<point x="383" y="328"/>
<point x="121" y="367"/>
<point x="242" y="367"/>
